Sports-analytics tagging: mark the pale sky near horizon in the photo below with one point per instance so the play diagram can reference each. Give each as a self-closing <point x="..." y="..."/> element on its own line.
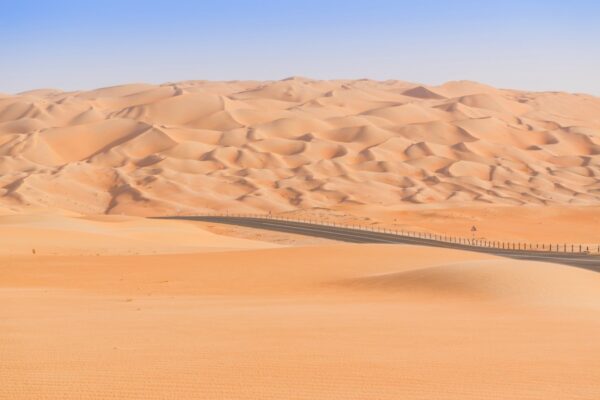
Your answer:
<point x="526" y="44"/>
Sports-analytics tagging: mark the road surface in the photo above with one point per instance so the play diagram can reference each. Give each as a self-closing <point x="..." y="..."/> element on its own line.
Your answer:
<point x="356" y="235"/>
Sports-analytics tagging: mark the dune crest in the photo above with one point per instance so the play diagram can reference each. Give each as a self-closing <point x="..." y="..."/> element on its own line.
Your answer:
<point x="182" y="147"/>
<point x="494" y="280"/>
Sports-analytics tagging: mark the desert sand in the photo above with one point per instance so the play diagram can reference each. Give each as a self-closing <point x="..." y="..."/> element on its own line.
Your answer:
<point x="100" y="302"/>
<point x="304" y="321"/>
<point x="201" y="146"/>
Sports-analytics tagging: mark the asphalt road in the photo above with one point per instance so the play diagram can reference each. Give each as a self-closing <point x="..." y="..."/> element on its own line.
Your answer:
<point x="355" y="235"/>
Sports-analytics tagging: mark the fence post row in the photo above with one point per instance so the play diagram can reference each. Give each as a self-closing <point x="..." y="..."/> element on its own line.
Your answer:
<point x="424" y="235"/>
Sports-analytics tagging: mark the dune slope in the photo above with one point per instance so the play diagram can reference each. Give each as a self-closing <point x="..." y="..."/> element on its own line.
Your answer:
<point x="325" y="322"/>
<point x="197" y="146"/>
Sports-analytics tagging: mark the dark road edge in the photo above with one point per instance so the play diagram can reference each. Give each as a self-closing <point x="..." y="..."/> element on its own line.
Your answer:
<point x="356" y="235"/>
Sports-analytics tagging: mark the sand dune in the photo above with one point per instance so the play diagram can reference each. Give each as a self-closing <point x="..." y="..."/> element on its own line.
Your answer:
<point x="495" y="280"/>
<point x="162" y="143"/>
<point x="257" y="320"/>
<point x="53" y="234"/>
<point x="117" y="306"/>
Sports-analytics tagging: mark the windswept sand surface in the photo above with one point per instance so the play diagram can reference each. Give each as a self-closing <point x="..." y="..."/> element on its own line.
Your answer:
<point x="98" y="306"/>
<point x="110" y="235"/>
<point x="259" y="321"/>
<point x="198" y="146"/>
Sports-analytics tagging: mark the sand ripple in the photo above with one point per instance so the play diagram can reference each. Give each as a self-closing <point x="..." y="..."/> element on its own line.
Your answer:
<point x="298" y="143"/>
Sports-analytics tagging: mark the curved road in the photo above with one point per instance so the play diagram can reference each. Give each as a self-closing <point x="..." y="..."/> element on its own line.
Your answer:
<point x="355" y="235"/>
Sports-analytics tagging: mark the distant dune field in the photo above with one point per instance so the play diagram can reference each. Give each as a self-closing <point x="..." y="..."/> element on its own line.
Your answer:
<point x="200" y="146"/>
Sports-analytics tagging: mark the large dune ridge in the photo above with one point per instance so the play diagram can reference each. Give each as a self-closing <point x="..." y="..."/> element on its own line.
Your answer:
<point x="298" y="143"/>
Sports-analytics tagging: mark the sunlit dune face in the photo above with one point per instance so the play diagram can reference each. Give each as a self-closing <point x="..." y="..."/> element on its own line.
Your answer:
<point x="146" y="149"/>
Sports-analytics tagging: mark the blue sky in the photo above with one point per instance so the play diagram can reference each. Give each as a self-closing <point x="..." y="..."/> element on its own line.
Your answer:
<point x="537" y="45"/>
